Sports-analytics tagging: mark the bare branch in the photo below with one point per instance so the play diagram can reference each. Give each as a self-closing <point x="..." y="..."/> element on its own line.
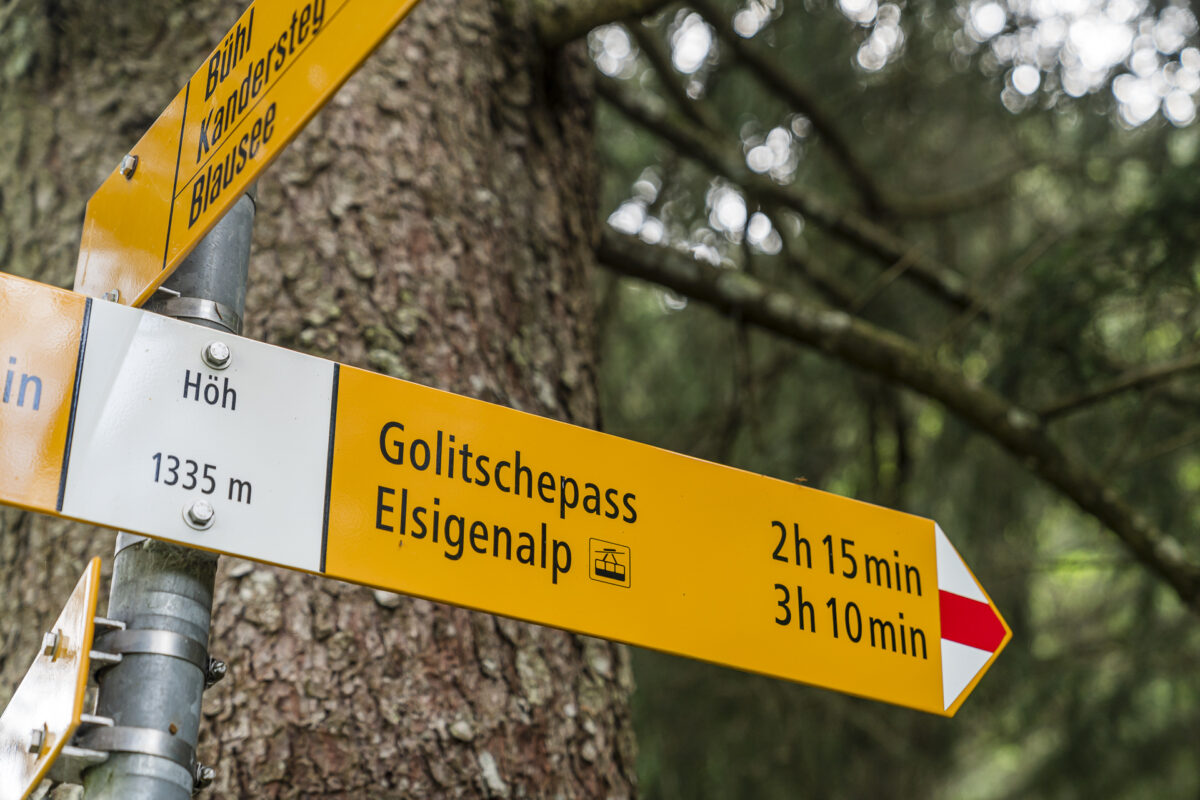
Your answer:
<point x="897" y="359"/>
<point x="935" y="278"/>
<point x="836" y="291"/>
<point x="881" y="282"/>
<point x="955" y="201"/>
<point x="875" y="198"/>
<point x="561" y="21"/>
<point x="1185" y="439"/>
<point x="798" y="97"/>
<point x="655" y="50"/>
<point x="1134" y="379"/>
<point x="1006" y="276"/>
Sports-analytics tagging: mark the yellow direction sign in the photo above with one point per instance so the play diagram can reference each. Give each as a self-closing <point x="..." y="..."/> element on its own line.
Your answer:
<point x="296" y="461"/>
<point x="271" y="73"/>
<point x="45" y="710"/>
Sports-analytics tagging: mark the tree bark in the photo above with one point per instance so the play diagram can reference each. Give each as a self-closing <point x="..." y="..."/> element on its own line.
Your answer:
<point x="435" y="222"/>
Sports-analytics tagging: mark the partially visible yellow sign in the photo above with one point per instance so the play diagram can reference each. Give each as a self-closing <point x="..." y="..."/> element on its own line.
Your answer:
<point x="40" y="332"/>
<point x="271" y="73"/>
<point x="45" y="710"/>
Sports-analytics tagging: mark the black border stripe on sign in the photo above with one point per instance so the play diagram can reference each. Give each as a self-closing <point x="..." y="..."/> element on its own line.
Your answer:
<point x="337" y="368"/>
<point x="83" y="336"/>
<point x="187" y="90"/>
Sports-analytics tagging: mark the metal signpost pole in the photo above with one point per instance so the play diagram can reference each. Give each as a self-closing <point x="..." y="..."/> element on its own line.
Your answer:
<point x="164" y="592"/>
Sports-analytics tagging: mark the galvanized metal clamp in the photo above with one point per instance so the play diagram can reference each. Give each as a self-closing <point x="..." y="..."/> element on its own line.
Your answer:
<point x="98" y="736"/>
<point x="196" y="308"/>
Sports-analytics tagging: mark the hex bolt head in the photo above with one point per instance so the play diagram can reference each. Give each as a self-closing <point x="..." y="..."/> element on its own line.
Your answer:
<point x="199" y="515"/>
<point x="215" y="672"/>
<point x="203" y="776"/>
<point x="217" y="355"/>
<point x="50" y="644"/>
<point x="128" y="166"/>
<point x="37" y="738"/>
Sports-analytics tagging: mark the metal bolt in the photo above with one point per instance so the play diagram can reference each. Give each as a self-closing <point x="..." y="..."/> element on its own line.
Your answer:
<point x="199" y="515"/>
<point x="128" y="166"/>
<point x="113" y="295"/>
<point x="216" y="355"/>
<point x="50" y="644"/>
<point x="37" y="738"/>
<point x="203" y="776"/>
<point x="215" y="672"/>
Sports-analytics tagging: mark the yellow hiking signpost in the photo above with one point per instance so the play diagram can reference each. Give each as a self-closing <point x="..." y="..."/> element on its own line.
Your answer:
<point x="292" y="460"/>
<point x="271" y="73"/>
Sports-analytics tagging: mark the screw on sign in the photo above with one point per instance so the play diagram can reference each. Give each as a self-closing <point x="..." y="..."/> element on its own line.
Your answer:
<point x="217" y="355"/>
<point x="128" y="166"/>
<point x="200" y="515"/>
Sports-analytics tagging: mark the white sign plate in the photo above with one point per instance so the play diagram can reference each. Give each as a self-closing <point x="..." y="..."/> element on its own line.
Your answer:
<point x="157" y="430"/>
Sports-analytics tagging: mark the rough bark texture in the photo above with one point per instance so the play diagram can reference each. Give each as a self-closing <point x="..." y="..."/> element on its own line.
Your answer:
<point x="433" y="223"/>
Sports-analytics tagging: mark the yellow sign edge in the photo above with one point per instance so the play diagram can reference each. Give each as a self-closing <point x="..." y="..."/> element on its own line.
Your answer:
<point x="91" y="579"/>
<point x="332" y="576"/>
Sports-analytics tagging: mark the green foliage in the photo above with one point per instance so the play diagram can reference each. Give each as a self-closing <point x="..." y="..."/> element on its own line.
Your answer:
<point x="1077" y="234"/>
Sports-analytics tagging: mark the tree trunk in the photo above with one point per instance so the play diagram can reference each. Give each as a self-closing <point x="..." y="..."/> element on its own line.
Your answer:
<point x="435" y="222"/>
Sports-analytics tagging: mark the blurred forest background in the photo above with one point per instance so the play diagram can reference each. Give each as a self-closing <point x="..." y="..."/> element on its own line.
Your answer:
<point x="942" y="256"/>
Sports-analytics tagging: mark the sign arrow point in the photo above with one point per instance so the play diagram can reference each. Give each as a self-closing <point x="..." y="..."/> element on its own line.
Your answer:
<point x="973" y="631"/>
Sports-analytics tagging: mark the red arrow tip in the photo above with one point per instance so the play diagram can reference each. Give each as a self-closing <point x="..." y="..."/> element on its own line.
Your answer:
<point x="970" y="622"/>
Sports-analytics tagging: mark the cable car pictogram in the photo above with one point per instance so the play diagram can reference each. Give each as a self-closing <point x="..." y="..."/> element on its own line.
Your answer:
<point x="607" y="565"/>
